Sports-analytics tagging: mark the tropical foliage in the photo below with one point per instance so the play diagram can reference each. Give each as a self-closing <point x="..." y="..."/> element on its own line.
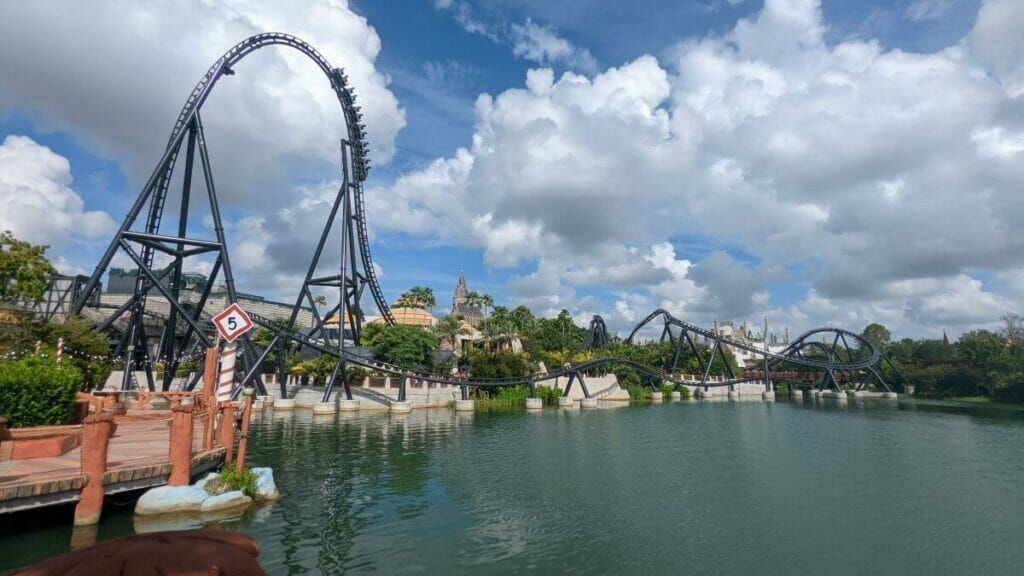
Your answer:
<point x="407" y="347"/>
<point x="417" y="297"/>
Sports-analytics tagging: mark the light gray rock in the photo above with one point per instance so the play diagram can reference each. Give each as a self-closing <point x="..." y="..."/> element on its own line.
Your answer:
<point x="201" y="484"/>
<point x="266" y="489"/>
<point x="225" y="501"/>
<point x="167" y="499"/>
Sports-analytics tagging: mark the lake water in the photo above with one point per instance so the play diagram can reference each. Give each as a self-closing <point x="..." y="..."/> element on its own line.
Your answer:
<point x="742" y="487"/>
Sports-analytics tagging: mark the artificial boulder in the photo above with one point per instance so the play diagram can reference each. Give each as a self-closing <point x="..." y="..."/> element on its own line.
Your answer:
<point x="169" y="499"/>
<point x="226" y="501"/>
<point x="266" y="489"/>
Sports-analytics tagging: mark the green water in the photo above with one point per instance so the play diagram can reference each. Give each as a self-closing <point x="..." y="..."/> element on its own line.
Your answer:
<point x="810" y="488"/>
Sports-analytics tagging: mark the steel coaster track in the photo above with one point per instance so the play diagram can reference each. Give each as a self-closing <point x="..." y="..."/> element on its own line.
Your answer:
<point x="353" y="121"/>
<point x="784" y="356"/>
<point x="351" y="358"/>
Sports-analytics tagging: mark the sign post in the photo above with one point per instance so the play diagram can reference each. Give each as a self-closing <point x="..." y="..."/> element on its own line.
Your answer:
<point x="231" y="324"/>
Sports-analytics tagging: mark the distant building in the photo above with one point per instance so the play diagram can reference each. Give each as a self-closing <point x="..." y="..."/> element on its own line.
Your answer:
<point x="462" y="307"/>
<point x="745" y="358"/>
<point x="121" y="286"/>
<point x="410" y="317"/>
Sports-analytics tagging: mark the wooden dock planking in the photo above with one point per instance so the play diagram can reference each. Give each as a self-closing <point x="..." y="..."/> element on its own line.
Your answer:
<point x="137" y="458"/>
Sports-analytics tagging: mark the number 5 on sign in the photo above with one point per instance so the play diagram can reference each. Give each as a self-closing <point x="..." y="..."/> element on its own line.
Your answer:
<point x="232" y="322"/>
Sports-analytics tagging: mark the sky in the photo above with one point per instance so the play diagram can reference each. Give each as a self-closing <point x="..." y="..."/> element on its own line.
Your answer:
<point x="834" y="162"/>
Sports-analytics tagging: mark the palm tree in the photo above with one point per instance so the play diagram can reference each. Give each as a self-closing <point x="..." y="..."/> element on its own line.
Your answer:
<point x="417" y="297"/>
<point x="486" y="301"/>
<point x="320" y="301"/>
<point x="450" y="327"/>
<point x="424" y="295"/>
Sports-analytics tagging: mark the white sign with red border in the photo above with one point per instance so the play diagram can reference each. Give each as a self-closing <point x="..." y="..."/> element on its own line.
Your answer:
<point x="232" y="322"/>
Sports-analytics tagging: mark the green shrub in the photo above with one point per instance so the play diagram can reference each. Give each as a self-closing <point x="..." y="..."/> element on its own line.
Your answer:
<point x="504" y="397"/>
<point x="34" y="391"/>
<point x="637" y="391"/>
<point x="548" y="394"/>
<point x="244" y="480"/>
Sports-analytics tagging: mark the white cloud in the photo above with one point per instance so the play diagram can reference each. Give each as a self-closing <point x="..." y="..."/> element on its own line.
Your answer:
<point x="115" y="75"/>
<point x="923" y="10"/>
<point x="847" y="162"/>
<point x="528" y="40"/>
<point x="542" y="45"/>
<point x="39" y="205"/>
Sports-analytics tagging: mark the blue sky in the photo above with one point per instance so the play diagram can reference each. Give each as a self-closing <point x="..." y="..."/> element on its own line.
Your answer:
<point x="726" y="159"/>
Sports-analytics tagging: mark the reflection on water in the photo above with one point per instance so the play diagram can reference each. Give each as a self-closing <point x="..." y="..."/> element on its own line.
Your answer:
<point x="800" y="486"/>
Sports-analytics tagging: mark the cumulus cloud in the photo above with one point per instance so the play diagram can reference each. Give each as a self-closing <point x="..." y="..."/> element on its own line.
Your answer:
<point x="847" y="162"/>
<point x="115" y="75"/>
<point x="39" y="205"/>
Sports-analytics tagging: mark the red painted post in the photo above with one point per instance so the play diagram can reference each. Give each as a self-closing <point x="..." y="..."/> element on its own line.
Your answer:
<point x="4" y="450"/>
<point x="96" y="432"/>
<point x="209" y="382"/>
<point x="243" y="440"/>
<point x="180" y="446"/>
<point x="226" y="430"/>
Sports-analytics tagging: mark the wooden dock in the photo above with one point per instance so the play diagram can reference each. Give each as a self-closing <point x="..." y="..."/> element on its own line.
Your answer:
<point x="138" y="456"/>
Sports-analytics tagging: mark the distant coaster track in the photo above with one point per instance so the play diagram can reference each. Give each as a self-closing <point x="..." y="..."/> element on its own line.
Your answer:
<point x="792" y="354"/>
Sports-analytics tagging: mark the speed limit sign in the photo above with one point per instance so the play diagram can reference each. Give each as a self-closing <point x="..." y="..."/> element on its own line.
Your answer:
<point x="232" y="322"/>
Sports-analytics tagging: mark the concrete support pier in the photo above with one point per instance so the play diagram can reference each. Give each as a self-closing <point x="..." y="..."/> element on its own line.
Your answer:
<point x="677" y="395"/>
<point x="325" y="408"/>
<point x="534" y="404"/>
<point x="890" y="395"/>
<point x="348" y="405"/>
<point x="734" y="394"/>
<point x="768" y="396"/>
<point x="566" y="402"/>
<point x="305" y="403"/>
<point x="464" y="406"/>
<point x="403" y="407"/>
<point x="588" y="402"/>
<point x="657" y="396"/>
<point x="284" y="404"/>
<point x="267" y="400"/>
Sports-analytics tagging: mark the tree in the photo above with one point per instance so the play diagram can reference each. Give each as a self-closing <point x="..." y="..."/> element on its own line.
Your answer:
<point x="479" y="300"/>
<point x="1013" y="328"/>
<point x="988" y="353"/>
<point x="370" y="334"/>
<point x="450" y="327"/>
<point x="85" y="347"/>
<point x="407" y="347"/>
<point x="24" y="270"/>
<point x="878" y="335"/>
<point x="417" y="297"/>
<point x="320" y="301"/>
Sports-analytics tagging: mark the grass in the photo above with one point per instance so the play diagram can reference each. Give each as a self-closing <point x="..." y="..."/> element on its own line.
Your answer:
<point x="244" y="480"/>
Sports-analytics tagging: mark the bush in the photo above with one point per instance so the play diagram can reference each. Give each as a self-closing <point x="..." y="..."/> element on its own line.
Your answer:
<point x="244" y="480"/>
<point x="504" y="397"/>
<point x="34" y="391"/>
<point x="548" y="394"/>
<point x="503" y="364"/>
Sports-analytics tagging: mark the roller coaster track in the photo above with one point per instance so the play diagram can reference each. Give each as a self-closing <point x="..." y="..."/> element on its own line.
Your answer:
<point x="188" y="130"/>
<point x="563" y="371"/>
<point x="790" y="354"/>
